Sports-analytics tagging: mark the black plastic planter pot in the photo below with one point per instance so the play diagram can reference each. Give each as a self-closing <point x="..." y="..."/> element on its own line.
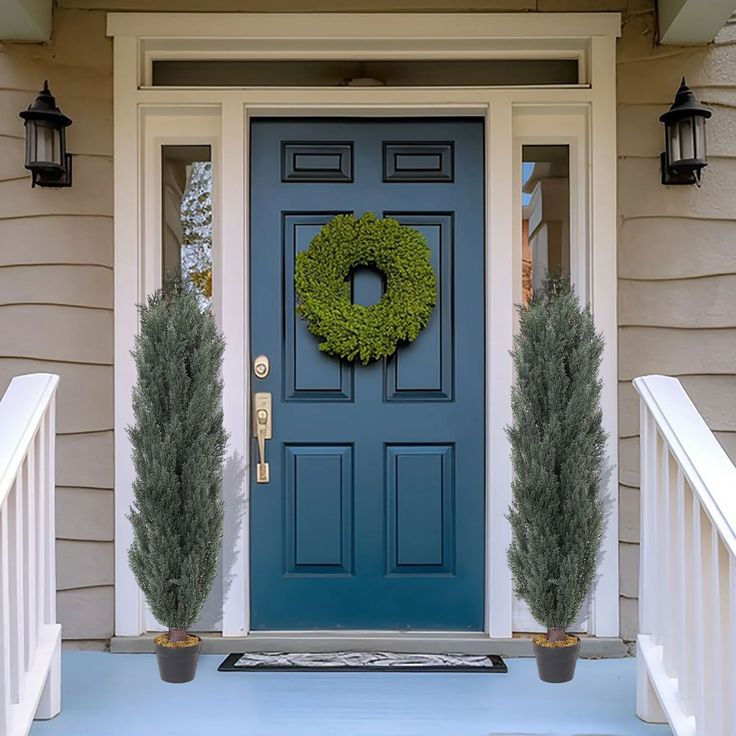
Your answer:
<point x="178" y="664"/>
<point x="556" y="664"/>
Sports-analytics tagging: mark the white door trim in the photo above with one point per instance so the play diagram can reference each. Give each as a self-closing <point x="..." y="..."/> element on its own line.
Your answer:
<point x="583" y="115"/>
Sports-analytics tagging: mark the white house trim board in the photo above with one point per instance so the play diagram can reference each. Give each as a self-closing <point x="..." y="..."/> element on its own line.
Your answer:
<point x="365" y="28"/>
<point x="26" y="20"/>
<point x="692" y="21"/>
<point x="569" y="127"/>
<point x="225" y="113"/>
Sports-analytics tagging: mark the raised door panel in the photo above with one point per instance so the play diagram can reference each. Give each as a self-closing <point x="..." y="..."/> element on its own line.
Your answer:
<point x="309" y="373"/>
<point x="424" y="370"/>
<point x="318" y="502"/>
<point x="420" y="509"/>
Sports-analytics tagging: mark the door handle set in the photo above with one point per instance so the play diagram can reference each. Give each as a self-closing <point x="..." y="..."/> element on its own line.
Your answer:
<point x="262" y="419"/>
<point x="262" y="431"/>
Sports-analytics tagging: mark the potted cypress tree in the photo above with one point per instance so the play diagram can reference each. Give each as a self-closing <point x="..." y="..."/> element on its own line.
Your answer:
<point x="178" y="444"/>
<point x="557" y="445"/>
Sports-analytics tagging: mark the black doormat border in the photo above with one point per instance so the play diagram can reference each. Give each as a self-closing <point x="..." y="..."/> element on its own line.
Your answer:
<point x="498" y="667"/>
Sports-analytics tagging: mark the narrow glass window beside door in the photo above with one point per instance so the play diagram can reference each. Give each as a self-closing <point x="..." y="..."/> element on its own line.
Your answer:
<point x="186" y="210"/>
<point x="545" y="229"/>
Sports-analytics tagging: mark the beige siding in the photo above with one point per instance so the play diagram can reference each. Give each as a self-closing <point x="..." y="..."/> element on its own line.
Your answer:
<point x="677" y="260"/>
<point x="84" y="514"/>
<point x="86" y="613"/>
<point x="56" y="298"/>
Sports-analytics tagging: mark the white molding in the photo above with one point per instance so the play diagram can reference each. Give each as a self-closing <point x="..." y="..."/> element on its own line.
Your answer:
<point x="602" y="265"/>
<point x="692" y="22"/>
<point x="29" y="21"/>
<point x="194" y="125"/>
<point x="501" y="107"/>
<point x="128" y="599"/>
<point x="544" y="125"/>
<point x="233" y="309"/>
<point x="499" y="303"/>
<point x="371" y="27"/>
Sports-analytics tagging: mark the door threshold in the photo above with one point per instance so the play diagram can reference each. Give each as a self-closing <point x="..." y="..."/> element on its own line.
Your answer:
<point x="414" y="642"/>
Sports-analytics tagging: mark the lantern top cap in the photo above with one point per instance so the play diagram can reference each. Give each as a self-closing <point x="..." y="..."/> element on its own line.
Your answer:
<point x="44" y="108"/>
<point x="685" y="105"/>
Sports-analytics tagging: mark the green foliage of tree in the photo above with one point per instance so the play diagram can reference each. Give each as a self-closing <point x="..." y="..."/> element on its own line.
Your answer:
<point x="196" y="225"/>
<point x="178" y="444"/>
<point x="322" y="283"/>
<point x="558" y="445"/>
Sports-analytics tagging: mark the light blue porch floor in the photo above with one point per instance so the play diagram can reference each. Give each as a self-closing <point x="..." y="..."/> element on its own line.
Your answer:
<point x="120" y="694"/>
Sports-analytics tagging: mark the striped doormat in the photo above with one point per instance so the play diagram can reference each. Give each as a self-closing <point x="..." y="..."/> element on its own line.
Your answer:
<point x="361" y="662"/>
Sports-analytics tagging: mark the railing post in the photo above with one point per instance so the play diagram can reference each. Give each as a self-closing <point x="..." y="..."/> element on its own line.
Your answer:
<point x="698" y="700"/>
<point x="647" y="547"/>
<point x="647" y="703"/>
<point x="49" y="481"/>
<point x="648" y="707"/>
<point x="683" y="603"/>
<point x="30" y="532"/>
<point x="4" y="624"/>
<point x="50" y="703"/>
<point x="730" y="647"/>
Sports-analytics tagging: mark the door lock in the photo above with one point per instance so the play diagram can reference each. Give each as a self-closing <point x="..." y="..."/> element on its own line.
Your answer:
<point x="262" y="431"/>
<point x="261" y="366"/>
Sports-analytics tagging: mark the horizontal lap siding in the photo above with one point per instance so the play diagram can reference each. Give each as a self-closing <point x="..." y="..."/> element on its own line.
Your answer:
<point x="56" y="298"/>
<point x="676" y="256"/>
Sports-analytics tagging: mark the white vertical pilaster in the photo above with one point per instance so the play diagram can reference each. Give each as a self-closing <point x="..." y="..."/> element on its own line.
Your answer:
<point x="499" y="378"/>
<point x="603" y="229"/>
<point x="128" y="598"/>
<point x="232" y="282"/>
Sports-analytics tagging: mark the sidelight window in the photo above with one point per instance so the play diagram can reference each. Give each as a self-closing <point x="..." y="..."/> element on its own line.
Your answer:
<point x="186" y="236"/>
<point x="545" y="232"/>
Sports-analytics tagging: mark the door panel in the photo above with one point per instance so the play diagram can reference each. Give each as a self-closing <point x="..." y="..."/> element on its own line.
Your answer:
<point x="318" y="509"/>
<point x="374" y="514"/>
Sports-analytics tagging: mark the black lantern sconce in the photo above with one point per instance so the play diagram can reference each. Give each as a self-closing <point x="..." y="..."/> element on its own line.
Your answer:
<point x="685" y="153"/>
<point x="46" y="156"/>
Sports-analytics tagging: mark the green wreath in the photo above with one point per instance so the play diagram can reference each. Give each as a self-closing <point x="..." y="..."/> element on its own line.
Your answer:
<point x="321" y="278"/>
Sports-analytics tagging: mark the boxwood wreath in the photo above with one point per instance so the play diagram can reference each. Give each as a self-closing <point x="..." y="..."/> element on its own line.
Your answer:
<point x="321" y="277"/>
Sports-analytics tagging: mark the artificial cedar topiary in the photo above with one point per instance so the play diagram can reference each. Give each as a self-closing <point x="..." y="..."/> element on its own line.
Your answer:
<point x="321" y="278"/>
<point x="557" y="445"/>
<point x="178" y="444"/>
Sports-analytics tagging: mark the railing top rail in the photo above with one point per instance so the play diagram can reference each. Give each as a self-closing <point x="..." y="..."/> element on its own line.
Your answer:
<point x="21" y="410"/>
<point x="707" y="467"/>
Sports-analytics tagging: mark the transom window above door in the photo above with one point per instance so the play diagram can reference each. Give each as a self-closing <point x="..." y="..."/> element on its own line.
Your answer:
<point x="367" y="73"/>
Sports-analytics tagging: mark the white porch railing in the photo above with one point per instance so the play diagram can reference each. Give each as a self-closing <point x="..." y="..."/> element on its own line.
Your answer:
<point x="30" y="638"/>
<point x="687" y="587"/>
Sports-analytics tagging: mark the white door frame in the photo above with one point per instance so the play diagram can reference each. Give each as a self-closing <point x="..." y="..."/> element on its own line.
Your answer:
<point x="147" y="117"/>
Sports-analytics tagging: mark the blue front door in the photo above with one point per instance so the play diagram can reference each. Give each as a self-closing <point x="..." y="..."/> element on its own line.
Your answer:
<point x="374" y="514"/>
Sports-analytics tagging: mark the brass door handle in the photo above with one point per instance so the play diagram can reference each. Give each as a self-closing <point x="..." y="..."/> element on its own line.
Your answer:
<point x="262" y="430"/>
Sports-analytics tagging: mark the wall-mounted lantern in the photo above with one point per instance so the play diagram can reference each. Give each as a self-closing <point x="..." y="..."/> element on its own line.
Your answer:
<point x="685" y="153"/>
<point x="46" y="156"/>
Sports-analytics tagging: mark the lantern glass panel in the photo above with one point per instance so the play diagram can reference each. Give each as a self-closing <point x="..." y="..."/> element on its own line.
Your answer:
<point x="30" y="143"/>
<point x="45" y="145"/>
<point x="687" y="139"/>
<point x="700" y="148"/>
<point x="673" y="143"/>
